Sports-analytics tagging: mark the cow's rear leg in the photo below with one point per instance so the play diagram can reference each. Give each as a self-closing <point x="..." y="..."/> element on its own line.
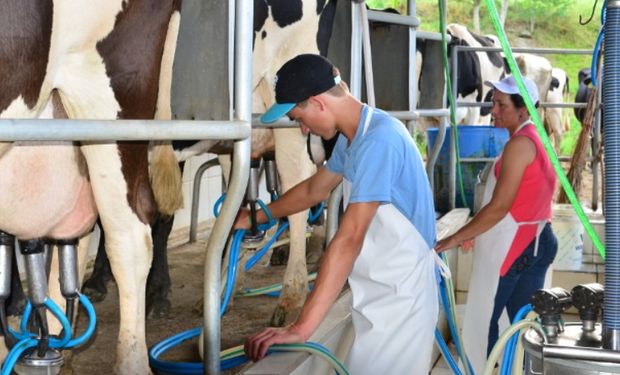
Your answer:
<point x="96" y="286"/>
<point x="294" y="165"/>
<point x="158" y="282"/>
<point x="125" y="220"/>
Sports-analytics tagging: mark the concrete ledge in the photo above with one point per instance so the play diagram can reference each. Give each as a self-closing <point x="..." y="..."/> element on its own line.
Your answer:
<point x="335" y="333"/>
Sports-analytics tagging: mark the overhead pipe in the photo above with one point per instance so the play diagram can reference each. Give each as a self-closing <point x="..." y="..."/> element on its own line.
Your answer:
<point x="119" y="130"/>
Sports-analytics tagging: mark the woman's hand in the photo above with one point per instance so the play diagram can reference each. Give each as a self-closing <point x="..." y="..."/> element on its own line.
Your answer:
<point x="256" y="346"/>
<point x="451" y="242"/>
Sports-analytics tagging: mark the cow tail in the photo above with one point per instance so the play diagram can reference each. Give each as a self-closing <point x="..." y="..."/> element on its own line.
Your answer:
<point x="4" y="147"/>
<point x="166" y="178"/>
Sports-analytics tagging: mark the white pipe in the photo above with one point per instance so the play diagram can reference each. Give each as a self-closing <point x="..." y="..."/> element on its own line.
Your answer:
<point x="238" y="181"/>
<point x="121" y="130"/>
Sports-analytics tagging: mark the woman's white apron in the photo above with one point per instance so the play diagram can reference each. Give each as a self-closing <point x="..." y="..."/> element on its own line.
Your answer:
<point x="490" y="250"/>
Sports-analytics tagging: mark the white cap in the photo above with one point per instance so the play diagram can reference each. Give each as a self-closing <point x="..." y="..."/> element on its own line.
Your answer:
<point x="508" y="85"/>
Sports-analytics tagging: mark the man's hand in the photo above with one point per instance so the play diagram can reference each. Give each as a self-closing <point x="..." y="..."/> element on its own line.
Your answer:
<point x="243" y="219"/>
<point x="256" y="346"/>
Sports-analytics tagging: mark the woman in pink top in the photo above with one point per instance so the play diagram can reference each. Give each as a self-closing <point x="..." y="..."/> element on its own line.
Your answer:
<point x="514" y="243"/>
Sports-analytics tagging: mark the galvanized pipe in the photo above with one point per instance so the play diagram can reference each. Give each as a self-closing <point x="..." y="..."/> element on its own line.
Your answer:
<point x="395" y="19"/>
<point x="413" y="79"/>
<point x="239" y="177"/>
<point x="193" y="218"/>
<point x="355" y="83"/>
<point x="333" y="208"/>
<point x="121" y="130"/>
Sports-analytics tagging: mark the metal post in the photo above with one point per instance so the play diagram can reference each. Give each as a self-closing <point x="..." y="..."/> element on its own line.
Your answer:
<point x="238" y="181"/>
<point x="355" y="83"/>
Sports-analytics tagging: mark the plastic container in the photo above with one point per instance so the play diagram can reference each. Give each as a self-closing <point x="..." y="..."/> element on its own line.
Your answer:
<point x="569" y="232"/>
<point x="474" y="142"/>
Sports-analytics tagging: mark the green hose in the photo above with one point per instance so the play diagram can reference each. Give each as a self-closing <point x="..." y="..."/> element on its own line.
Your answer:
<point x="311" y="348"/>
<point x="503" y="339"/>
<point x="541" y="130"/>
<point x="454" y="133"/>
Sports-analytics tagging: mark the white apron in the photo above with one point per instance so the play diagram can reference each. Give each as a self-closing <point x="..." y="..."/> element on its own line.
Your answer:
<point x="490" y="250"/>
<point x="394" y="292"/>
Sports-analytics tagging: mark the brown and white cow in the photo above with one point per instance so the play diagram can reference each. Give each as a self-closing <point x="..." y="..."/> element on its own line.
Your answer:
<point x="85" y="59"/>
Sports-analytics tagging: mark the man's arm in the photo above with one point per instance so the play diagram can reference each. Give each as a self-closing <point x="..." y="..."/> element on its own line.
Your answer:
<point x="334" y="270"/>
<point x="302" y="196"/>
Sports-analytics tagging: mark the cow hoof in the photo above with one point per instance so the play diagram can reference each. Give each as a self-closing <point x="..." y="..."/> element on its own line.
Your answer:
<point x="279" y="256"/>
<point x="158" y="309"/>
<point x="282" y="316"/>
<point x="94" y="294"/>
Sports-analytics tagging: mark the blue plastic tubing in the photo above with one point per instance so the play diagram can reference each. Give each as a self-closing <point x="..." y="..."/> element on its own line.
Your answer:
<point x="611" y="119"/>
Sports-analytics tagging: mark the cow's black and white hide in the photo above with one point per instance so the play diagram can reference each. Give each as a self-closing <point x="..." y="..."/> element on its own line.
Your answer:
<point x="282" y="30"/>
<point x="474" y="68"/>
<point x="89" y="60"/>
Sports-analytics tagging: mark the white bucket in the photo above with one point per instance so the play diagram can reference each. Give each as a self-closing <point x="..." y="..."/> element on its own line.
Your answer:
<point x="569" y="232"/>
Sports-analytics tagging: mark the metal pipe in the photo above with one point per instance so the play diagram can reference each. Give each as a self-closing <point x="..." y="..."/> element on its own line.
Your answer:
<point x="395" y="19"/>
<point x="541" y="105"/>
<point x="452" y="165"/>
<point x="411" y="67"/>
<point x="539" y="51"/>
<point x="368" y="72"/>
<point x="434" y="154"/>
<point x="596" y="147"/>
<point x="238" y="181"/>
<point x="333" y="209"/>
<point x="122" y="130"/>
<point x="355" y="84"/>
<point x="193" y="218"/>
<point x="611" y="121"/>
<point x="434" y="36"/>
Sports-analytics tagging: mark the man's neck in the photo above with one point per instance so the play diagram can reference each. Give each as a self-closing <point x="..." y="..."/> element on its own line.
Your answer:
<point x="350" y="113"/>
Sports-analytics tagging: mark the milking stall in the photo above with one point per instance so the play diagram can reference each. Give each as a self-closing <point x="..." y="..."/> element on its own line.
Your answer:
<point x="209" y="54"/>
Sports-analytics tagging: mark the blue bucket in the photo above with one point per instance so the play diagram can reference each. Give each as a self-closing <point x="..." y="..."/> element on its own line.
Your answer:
<point x="474" y="142"/>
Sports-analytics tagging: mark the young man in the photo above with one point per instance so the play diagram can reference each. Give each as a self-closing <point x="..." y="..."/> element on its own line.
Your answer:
<point x="384" y="242"/>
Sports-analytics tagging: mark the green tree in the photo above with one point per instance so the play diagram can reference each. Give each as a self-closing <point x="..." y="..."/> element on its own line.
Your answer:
<point x="534" y="9"/>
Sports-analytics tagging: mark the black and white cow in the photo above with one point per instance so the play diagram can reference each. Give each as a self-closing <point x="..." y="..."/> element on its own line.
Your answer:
<point x="282" y="30"/>
<point x="556" y="119"/>
<point x="583" y="92"/>
<point x="474" y="68"/>
<point x="89" y="60"/>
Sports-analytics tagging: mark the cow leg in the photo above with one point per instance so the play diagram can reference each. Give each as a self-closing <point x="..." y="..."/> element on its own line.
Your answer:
<point x="129" y="248"/>
<point x="158" y="282"/>
<point x="96" y="286"/>
<point x="294" y="165"/>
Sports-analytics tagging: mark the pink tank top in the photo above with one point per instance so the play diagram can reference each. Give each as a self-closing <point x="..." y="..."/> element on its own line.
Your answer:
<point x="534" y="197"/>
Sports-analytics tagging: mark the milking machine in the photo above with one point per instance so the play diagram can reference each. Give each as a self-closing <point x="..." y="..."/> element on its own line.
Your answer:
<point x="252" y="238"/>
<point x="33" y="350"/>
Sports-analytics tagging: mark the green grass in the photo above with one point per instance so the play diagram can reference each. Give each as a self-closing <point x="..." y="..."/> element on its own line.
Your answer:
<point x="560" y="30"/>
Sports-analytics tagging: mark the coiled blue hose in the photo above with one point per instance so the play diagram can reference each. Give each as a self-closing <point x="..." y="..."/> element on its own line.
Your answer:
<point x="509" y="352"/>
<point x="28" y="339"/>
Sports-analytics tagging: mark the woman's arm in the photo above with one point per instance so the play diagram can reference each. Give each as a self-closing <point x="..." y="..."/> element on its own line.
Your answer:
<point x="518" y="154"/>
